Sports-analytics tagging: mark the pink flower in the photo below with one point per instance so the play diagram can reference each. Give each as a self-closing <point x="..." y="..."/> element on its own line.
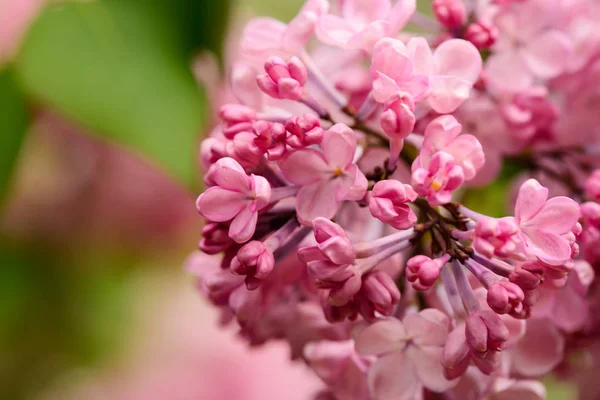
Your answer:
<point x="215" y="238"/>
<point x="506" y="297"/>
<point x="453" y="68"/>
<point x="398" y="118"/>
<point x="328" y="177"/>
<point x="236" y="197"/>
<point x="540" y="350"/>
<point x="422" y="271"/>
<point x="408" y="355"/>
<point x="546" y="224"/>
<point x="237" y="118"/>
<point x="497" y="237"/>
<point x="378" y="293"/>
<point x="363" y="23"/>
<point x="482" y="34"/>
<point x="388" y="203"/>
<point x="255" y="261"/>
<point x="270" y="139"/>
<point x="304" y="131"/>
<point x="529" y="45"/>
<point x="438" y="179"/>
<point x="443" y="134"/>
<point x="283" y="80"/>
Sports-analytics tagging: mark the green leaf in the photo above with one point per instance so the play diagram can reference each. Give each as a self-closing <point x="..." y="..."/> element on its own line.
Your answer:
<point x="120" y="69"/>
<point x="13" y="120"/>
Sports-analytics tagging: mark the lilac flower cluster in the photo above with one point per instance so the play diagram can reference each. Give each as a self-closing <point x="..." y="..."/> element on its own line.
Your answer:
<point x="333" y="214"/>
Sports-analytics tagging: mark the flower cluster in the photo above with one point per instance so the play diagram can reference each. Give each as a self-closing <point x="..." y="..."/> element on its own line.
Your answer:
<point x="335" y="175"/>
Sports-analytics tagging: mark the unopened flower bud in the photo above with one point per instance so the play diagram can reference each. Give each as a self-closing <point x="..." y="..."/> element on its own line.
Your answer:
<point x="527" y="276"/>
<point x="485" y="331"/>
<point x="388" y="204"/>
<point x="505" y="297"/>
<point x="283" y="80"/>
<point x="237" y="118"/>
<point x="215" y="238"/>
<point x="398" y="118"/>
<point x="481" y="34"/>
<point x="304" y="130"/>
<point x="422" y="271"/>
<point x="270" y="139"/>
<point x="255" y="261"/>
<point x="450" y="13"/>
<point x="592" y="186"/>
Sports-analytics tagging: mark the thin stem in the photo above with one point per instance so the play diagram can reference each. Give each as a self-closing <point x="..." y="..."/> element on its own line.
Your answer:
<point x="367" y="249"/>
<point x="497" y="266"/>
<point x="283" y="192"/>
<point x="475" y="216"/>
<point x="292" y="242"/>
<point x="368" y="264"/>
<point x="322" y="82"/>
<point x="274" y="241"/>
<point x="483" y="275"/>
<point x="464" y="288"/>
<point x="451" y="290"/>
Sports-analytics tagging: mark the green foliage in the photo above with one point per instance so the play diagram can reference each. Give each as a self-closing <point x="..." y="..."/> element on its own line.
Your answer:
<point x="122" y="70"/>
<point x="13" y="123"/>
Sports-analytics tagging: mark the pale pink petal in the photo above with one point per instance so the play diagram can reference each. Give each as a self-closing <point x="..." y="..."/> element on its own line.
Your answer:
<point x="393" y="378"/>
<point x="303" y="167"/>
<point x="540" y="350"/>
<point x="447" y="93"/>
<point x="392" y="61"/>
<point x="458" y="58"/>
<point x="438" y="135"/>
<point x="368" y="37"/>
<point x="420" y="53"/>
<point x="507" y="72"/>
<point x="339" y="145"/>
<point x="363" y="12"/>
<point x="467" y="153"/>
<point x="316" y="200"/>
<point x="400" y="14"/>
<point x="334" y="31"/>
<point x="530" y="200"/>
<point x="243" y="225"/>
<point x="548" y="247"/>
<point x="261" y="191"/>
<point x="244" y="87"/>
<point x="221" y="205"/>
<point x="547" y="55"/>
<point x="359" y="185"/>
<point x="380" y="338"/>
<point x="301" y="28"/>
<point x="262" y="36"/>
<point x="384" y="88"/>
<point x="558" y="215"/>
<point x="229" y="174"/>
<point x="521" y="390"/>
<point x="427" y="363"/>
<point x="571" y="311"/>
<point x="428" y="327"/>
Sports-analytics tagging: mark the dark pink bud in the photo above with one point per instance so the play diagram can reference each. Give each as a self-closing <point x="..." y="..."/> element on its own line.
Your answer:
<point x="215" y="238"/>
<point x="212" y="150"/>
<point x="398" y="118"/>
<point x="343" y="292"/>
<point x="237" y="118"/>
<point x="337" y="313"/>
<point x="456" y="358"/>
<point x="485" y="331"/>
<point x="496" y="237"/>
<point x="527" y="276"/>
<point x="283" y="80"/>
<point x="590" y="211"/>
<point x="422" y="271"/>
<point x="380" y="289"/>
<point x="270" y="139"/>
<point x="333" y="241"/>
<point x="481" y="34"/>
<point x="592" y="186"/>
<point x="304" y="130"/>
<point x="504" y="297"/>
<point x="450" y="13"/>
<point x="388" y="203"/>
<point x="255" y="261"/>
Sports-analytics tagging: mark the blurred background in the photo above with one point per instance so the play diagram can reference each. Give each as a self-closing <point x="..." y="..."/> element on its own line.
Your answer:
<point x="101" y="115"/>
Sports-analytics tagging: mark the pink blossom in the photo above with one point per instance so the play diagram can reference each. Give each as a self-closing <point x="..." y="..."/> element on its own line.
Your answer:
<point x="592" y="186"/>
<point x="236" y="197"/>
<point x="529" y="45"/>
<point x="270" y="139"/>
<point x="423" y="272"/>
<point x="439" y="179"/>
<point x="388" y="203"/>
<point x="379" y="293"/>
<point x="237" y="118"/>
<point x="304" y="130"/>
<point x="328" y="177"/>
<point x="398" y="118"/>
<point x="540" y="350"/>
<point x="255" y="261"/>
<point x="545" y="224"/>
<point x="215" y="238"/>
<point x="363" y="23"/>
<point x="497" y="237"/>
<point x="482" y="34"/>
<point x="506" y="297"/>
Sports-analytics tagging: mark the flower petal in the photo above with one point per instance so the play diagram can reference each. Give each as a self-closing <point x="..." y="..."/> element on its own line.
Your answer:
<point x="400" y="14"/>
<point x="540" y="350"/>
<point x="339" y="146"/>
<point x="303" y="167"/>
<point x="467" y="153"/>
<point x="428" y="327"/>
<point x="507" y="72"/>
<point x="243" y="225"/>
<point x="392" y="378"/>
<point x="571" y="310"/>
<point x="547" y="55"/>
<point x="420" y="53"/>
<point x="530" y="200"/>
<point x="229" y="174"/>
<point x="549" y="247"/>
<point x="220" y="205"/>
<point x="558" y="215"/>
<point x="458" y="58"/>
<point x="427" y="364"/>
<point x="334" y="31"/>
<point x="447" y="93"/>
<point x="316" y="200"/>
<point x="382" y="337"/>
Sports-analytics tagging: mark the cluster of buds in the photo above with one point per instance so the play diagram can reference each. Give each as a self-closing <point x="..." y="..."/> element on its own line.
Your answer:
<point x="333" y="211"/>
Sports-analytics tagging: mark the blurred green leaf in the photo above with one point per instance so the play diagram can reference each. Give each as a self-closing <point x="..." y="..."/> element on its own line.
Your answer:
<point x="13" y="120"/>
<point x="121" y="69"/>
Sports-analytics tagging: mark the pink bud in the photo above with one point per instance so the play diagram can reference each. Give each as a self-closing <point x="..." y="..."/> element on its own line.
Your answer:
<point x="388" y="203"/>
<point x="437" y="182"/>
<point x="482" y="34"/>
<point x="496" y="237"/>
<point x="592" y="186"/>
<point x="398" y="118"/>
<point x="333" y="241"/>
<point x="270" y="139"/>
<point x="528" y="275"/>
<point x="283" y="80"/>
<point x="237" y="118"/>
<point x="215" y="238"/>
<point x="255" y="261"/>
<point x="422" y="271"/>
<point x="485" y="331"/>
<point x="450" y="13"/>
<point x="456" y="358"/>
<point x="343" y="292"/>
<point x="212" y="150"/>
<point x="337" y="313"/>
<point x="504" y="297"/>
<point x="590" y="212"/>
<point x="304" y="130"/>
<point x="380" y="290"/>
